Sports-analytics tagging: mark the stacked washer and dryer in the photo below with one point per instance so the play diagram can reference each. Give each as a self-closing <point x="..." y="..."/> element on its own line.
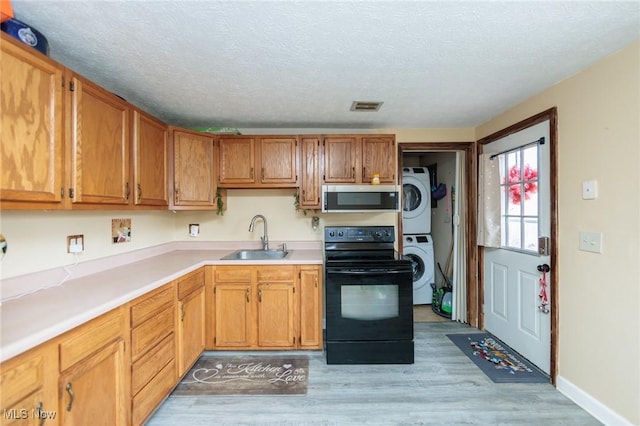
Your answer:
<point x="416" y="230"/>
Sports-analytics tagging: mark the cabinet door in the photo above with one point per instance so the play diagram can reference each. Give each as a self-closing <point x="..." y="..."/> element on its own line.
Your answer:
<point x="31" y="160"/>
<point x="150" y="161"/>
<point x="100" y="145"/>
<point x="276" y="312"/>
<point x="310" y="172"/>
<point x="237" y="161"/>
<point x="233" y="313"/>
<point x="378" y="157"/>
<point x="29" y="388"/>
<point x="340" y="159"/>
<point x="93" y="391"/>
<point x="278" y="160"/>
<point x="190" y="329"/>
<point x="194" y="178"/>
<point x="311" y="307"/>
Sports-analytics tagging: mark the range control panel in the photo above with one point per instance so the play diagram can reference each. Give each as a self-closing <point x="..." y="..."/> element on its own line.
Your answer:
<point x="349" y="234"/>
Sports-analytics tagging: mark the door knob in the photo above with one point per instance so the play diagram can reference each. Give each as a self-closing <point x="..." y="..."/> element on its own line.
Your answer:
<point x="544" y="268"/>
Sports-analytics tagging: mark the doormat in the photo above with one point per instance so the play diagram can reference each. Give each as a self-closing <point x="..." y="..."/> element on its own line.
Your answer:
<point x="220" y="375"/>
<point x="498" y="361"/>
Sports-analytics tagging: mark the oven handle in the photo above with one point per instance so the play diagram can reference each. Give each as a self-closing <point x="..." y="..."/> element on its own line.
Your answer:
<point x="351" y="272"/>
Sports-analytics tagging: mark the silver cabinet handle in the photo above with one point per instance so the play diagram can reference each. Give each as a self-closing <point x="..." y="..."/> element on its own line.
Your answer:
<point x="71" y="396"/>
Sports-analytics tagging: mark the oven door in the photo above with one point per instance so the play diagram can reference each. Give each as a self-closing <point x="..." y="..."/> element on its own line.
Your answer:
<point x="369" y="303"/>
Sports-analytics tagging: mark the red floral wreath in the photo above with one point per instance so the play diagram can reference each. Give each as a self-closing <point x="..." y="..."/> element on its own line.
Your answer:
<point x="529" y="187"/>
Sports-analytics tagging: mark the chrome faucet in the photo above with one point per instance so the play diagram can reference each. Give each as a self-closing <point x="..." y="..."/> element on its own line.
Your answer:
<point x="264" y="238"/>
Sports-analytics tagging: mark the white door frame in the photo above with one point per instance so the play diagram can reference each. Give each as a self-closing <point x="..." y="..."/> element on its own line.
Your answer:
<point x="551" y="115"/>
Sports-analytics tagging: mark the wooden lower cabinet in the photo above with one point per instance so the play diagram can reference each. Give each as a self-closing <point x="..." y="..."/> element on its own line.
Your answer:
<point x="276" y="307"/>
<point x="311" y="291"/>
<point x="117" y="368"/>
<point x="153" y="351"/>
<point x="262" y="307"/>
<point x="233" y="307"/>
<point x="29" y="388"/>
<point x="93" y="386"/>
<point x="191" y="319"/>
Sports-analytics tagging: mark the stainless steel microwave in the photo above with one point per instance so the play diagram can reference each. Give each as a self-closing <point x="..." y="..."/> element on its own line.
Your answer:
<point x="360" y="198"/>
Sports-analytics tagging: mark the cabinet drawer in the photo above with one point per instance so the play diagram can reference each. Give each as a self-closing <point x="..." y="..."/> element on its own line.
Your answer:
<point x="232" y="275"/>
<point x="150" y="304"/>
<point x="26" y="377"/>
<point x="150" y="363"/>
<point x="190" y="283"/>
<point x="150" y="332"/>
<point x="275" y="274"/>
<point x="153" y="393"/>
<point x="88" y="338"/>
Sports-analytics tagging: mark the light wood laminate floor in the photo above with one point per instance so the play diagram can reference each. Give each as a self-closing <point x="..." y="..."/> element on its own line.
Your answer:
<point x="443" y="387"/>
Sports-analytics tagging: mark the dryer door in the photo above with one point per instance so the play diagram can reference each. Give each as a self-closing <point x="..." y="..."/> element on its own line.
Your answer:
<point x="415" y="197"/>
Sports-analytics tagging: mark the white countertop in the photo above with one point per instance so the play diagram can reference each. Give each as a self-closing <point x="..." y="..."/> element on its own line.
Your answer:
<point x="37" y="317"/>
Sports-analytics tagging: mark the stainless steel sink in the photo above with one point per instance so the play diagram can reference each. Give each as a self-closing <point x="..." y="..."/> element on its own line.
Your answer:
<point x="257" y="255"/>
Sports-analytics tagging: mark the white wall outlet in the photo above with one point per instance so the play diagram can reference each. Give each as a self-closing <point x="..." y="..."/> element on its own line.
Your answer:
<point x="75" y="243"/>
<point x="589" y="190"/>
<point x="590" y="241"/>
<point x="194" y="229"/>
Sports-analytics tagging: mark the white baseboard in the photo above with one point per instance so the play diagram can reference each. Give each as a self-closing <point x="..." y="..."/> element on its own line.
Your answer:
<point x="591" y="405"/>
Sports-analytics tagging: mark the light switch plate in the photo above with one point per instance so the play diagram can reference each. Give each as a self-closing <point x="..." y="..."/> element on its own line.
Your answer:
<point x="589" y="190"/>
<point x="591" y="241"/>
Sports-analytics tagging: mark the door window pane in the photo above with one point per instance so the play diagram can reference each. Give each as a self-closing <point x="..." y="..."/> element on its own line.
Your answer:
<point x="520" y="203"/>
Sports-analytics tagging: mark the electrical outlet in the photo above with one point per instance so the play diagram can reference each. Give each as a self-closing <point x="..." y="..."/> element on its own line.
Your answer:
<point x="194" y="229"/>
<point x="75" y="243"/>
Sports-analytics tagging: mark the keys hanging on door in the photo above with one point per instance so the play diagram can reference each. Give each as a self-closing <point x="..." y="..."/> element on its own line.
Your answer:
<point x="544" y="299"/>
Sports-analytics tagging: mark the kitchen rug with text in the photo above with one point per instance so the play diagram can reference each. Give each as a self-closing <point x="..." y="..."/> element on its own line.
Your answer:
<point x="499" y="362"/>
<point x="245" y="375"/>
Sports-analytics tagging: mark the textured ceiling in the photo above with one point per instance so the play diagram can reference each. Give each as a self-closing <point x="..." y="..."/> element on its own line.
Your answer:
<point x="300" y="64"/>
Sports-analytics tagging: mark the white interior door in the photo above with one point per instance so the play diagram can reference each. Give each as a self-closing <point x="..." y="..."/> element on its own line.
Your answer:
<point x="516" y="299"/>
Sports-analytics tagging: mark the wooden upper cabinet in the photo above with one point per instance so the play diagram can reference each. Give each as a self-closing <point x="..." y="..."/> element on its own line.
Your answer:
<point x="150" y="161"/>
<point x="310" y="161"/>
<point x="379" y="157"/>
<point x="31" y="136"/>
<point x="356" y="158"/>
<point x="100" y="139"/>
<point x="237" y="161"/>
<point x="258" y="161"/>
<point x="340" y="159"/>
<point x="278" y="160"/>
<point x="194" y="182"/>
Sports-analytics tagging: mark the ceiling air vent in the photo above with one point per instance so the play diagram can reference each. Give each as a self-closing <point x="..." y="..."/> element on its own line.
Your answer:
<point x="366" y="106"/>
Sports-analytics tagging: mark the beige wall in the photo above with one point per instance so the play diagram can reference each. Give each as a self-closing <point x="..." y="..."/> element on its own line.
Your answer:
<point x="37" y="239"/>
<point x="598" y="139"/>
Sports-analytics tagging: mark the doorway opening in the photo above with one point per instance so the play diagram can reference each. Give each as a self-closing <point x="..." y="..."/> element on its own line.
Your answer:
<point x="454" y="165"/>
